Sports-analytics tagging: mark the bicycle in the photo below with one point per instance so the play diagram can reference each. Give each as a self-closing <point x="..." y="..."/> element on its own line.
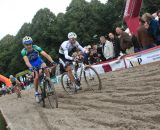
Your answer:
<point x="47" y="89"/>
<point x="90" y="76"/>
<point x="16" y="89"/>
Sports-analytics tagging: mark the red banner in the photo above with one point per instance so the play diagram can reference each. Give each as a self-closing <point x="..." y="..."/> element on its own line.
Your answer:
<point x="131" y="14"/>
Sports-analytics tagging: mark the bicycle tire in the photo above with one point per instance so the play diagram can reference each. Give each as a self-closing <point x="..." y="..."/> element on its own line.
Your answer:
<point x="19" y="95"/>
<point x="17" y="91"/>
<point x="51" y="94"/>
<point x="43" y="95"/>
<point x="89" y="81"/>
<point x="67" y="85"/>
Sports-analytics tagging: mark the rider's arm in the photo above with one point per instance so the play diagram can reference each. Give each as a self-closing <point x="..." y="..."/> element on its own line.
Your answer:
<point x="67" y="56"/>
<point x="43" y="53"/>
<point x="26" y="60"/>
<point x="17" y="82"/>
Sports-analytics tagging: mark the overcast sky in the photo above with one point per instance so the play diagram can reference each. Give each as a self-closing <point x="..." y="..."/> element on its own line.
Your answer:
<point x="14" y="13"/>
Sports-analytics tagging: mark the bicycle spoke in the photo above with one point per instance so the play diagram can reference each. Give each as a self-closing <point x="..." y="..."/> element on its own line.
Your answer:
<point x="92" y="78"/>
<point x="67" y="85"/>
<point x="51" y="94"/>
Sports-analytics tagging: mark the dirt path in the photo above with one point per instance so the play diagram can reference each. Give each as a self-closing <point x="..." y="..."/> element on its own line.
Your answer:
<point x="129" y="100"/>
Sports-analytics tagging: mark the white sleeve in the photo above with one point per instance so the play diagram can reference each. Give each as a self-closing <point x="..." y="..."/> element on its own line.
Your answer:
<point x="66" y="55"/>
<point x="64" y="50"/>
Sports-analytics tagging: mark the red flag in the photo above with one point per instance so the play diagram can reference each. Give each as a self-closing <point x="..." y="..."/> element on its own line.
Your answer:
<point x="131" y="14"/>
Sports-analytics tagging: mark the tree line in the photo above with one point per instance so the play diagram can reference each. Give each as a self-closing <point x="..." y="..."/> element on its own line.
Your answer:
<point x="88" y="19"/>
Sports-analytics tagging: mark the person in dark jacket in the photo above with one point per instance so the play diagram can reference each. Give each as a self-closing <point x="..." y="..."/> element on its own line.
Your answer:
<point x="116" y="44"/>
<point x="125" y="39"/>
<point x="152" y="26"/>
<point x="145" y="39"/>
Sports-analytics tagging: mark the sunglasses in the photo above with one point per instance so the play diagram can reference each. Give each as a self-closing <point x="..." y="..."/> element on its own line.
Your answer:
<point x="28" y="44"/>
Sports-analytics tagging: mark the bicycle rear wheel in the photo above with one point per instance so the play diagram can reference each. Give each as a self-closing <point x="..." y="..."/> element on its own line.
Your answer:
<point x="17" y="91"/>
<point x="51" y="94"/>
<point x="67" y="85"/>
<point x="92" y="78"/>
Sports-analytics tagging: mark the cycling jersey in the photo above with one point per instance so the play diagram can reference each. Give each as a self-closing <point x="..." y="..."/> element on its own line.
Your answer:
<point x="66" y="47"/>
<point x="34" y="54"/>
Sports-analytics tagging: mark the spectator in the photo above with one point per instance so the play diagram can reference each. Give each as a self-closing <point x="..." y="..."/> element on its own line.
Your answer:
<point x="92" y="57"/>
<point x="100" y="53"/>
<point x="152" y="27"/>
<point x="125" y="40"/>
<point x="158" y="16"/>
<point x="4" y="90"/>
<point x="136" y="44"/>
<point x="107" y="48"/>
<point x="144" y="38"/>
<point x="116" y="44"/>
<point x="86" y="55"/>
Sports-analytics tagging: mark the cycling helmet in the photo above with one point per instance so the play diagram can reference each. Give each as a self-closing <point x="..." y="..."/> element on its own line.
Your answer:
<point x="11" y="76"/>
<point x="27" y="40"/>
<point x="72" y="35"/>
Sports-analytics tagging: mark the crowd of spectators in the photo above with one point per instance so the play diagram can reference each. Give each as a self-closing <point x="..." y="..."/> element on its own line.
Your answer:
<point x="121" y="42"/>
<point x="117" y="43"/>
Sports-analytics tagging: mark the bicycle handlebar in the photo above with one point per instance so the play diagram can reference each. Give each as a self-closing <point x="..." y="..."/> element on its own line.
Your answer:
<point x="39" y="68"/>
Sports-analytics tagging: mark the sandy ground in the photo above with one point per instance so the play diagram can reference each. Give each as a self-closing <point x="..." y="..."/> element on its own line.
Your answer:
<point x="129" y="100"/>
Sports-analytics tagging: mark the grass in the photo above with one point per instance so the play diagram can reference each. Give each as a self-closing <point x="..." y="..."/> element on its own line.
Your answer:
<point x="2" y="122"/>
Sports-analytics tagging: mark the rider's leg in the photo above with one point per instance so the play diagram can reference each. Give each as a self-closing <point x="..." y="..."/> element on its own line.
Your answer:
<point x="46" y="70"/>
<point x="71" y="77"/>
<point x="35" y="82"/>
<point x="17" y="90"/>
<point x="18" y="84"/>
<point x="70" y="74"/>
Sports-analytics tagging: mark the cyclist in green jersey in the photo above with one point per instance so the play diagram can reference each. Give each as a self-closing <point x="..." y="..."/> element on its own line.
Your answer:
<point x="31" y="56"/>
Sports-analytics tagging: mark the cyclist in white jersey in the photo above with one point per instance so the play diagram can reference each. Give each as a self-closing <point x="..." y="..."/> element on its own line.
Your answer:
<point x="65" y="50"/>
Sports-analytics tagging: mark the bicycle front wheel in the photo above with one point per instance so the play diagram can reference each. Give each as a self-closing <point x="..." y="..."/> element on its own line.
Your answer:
<point x="92" y="78"/>
<point x="42" y="96"/>
<point x="67" y="85"/>
<point x="51" y="94"/>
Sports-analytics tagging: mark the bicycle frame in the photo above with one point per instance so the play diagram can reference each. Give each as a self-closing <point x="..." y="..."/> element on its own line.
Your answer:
<point x="82" y="66"/>
<point x="41" y="74"/>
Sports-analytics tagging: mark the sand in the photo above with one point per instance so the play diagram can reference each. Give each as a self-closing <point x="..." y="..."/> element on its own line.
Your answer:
<point x="129" y="100"/>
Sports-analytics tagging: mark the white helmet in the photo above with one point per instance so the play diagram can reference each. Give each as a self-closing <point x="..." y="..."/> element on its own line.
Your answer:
<point x="72" y="35"/>
<point x="11" y="76"/>
<point x="27" y="40"/>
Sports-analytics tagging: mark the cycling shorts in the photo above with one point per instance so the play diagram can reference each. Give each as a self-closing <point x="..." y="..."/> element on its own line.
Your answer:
<point x="64" y="61"/>
<point x="37" y="63"/>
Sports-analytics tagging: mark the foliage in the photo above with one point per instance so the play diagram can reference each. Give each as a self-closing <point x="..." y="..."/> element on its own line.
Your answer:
<point x="88" y="19"/>
<point x="150" y="6"/>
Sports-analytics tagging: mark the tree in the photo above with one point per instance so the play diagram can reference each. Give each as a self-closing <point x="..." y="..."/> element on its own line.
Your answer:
<point x="150" y="6"/>
<point x="41" y="28"/>
<point x="88" y="19"/>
